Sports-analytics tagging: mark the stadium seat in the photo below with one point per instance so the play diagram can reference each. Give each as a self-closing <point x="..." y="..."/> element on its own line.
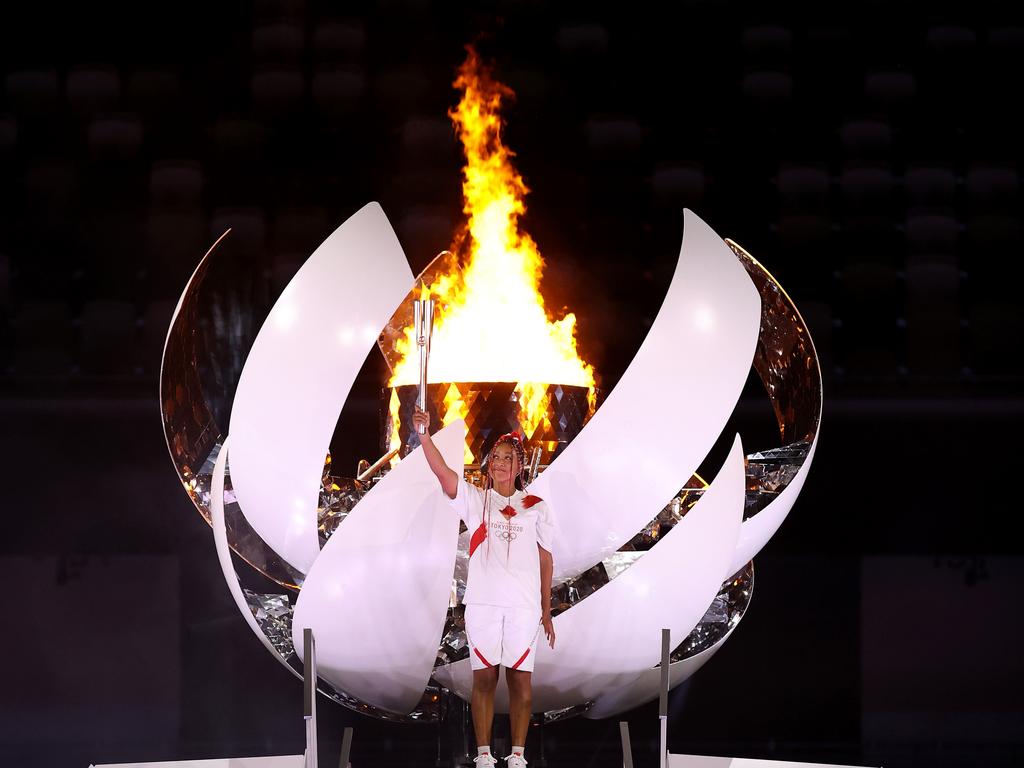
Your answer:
<point x="278" y="43"/>
<point x="933" y="320"/>
<point x="338" y="92"/>
<point x="804" y="189"/>
<point x="115" y="137"/>
<point x="93" y="90"/>
<point x="678" y="186"/>
<point x="155" y="93"/>
<point x="278" y="91"/>
<point x="613" y="137"/>
<point x="248" y="225"/>
<point x="582" y="41"/>
<point x="339" y="43"/>
<point x="156" y="320"/>
<point x="930" y="186"/>
<point x="107" y="340"/>
<point x="44" y="339"/>
<point x="933" y="237"/>
<point x="33" y="92"/>
<point x="767" y="46"/>
<point x="890" y="89"/>
<point x="995" y="329"/>
<point x="866" y="140"/>
<point x="992" y="188"/>
<point x="176" y="185"/>
<point x="767" y="89"/>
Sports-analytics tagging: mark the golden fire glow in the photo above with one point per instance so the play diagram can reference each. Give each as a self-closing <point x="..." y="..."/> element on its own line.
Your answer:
<point x="455" y="408"/>
<point x="490" y="323"/>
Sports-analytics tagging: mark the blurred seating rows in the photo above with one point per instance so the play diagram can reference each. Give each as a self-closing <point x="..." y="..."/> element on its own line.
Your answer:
<point x="893" y="219"/>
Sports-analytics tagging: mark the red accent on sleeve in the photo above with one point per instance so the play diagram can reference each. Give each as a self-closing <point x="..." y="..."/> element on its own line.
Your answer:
<point x="529" y="501"/>
<point x="477" y="538"/>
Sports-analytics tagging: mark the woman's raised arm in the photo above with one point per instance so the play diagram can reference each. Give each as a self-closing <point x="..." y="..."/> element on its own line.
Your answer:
<point x="446" y="476"/>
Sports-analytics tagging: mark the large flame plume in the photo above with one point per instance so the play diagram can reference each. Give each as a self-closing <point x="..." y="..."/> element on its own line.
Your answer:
<point x="491" y="323"/>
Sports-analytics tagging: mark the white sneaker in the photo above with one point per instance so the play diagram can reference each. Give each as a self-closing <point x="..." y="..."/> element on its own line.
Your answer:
<point x="485" y="761"/>
<point x="515" y="761"/>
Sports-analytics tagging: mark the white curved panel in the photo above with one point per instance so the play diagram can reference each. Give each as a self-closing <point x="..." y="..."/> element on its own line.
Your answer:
<point x="220" y="539"/>
<point x="666" y="411"/>
<point x="755" y="532"/>
<point x="608" y="640"/>
<point x="299" y="373"/>
<point x="377" y="596"/>
<point x="646" y="687"/>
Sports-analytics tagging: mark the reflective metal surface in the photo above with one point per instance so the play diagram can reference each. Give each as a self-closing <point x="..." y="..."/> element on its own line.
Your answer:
<point x="788" y="366"/>
<point x="785" y="359"/>
<point x="213" y="326"/>
<point x="273" y="613"/>
<point x="554" y="715"/>
<point x="453" y="642"/>
<point x="769" y="472"/>
<point x="338" y="497"/>
<point x="722" y="615"/>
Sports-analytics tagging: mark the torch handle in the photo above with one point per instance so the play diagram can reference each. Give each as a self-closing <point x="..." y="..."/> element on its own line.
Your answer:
<point x="424" y="322"/>
<point x="421" y="397"/>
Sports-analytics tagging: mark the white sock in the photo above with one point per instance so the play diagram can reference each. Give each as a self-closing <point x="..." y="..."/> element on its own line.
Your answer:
<point x="518" y="751"/>
<point x="483" y="751"/>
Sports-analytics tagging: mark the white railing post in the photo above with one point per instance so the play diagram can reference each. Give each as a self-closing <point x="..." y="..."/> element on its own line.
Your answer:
<point x="346" y="747"/>
<point x="309" y="695"/>
<point x="627" y="750"/>
<point x="663" y="698"/>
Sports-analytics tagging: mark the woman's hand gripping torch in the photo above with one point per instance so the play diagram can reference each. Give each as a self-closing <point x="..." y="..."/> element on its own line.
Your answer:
<point x="423" y="312"/>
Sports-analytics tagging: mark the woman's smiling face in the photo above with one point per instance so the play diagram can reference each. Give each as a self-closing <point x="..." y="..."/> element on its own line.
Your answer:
<point x="503" y="464"/>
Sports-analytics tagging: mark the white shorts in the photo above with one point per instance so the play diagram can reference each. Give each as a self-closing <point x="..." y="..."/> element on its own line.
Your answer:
<point x="500" y="636"/>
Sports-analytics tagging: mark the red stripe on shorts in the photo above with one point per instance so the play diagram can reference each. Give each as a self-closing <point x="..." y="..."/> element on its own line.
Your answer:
<point x="485" y="661"/>
<point x="521" y="659"/>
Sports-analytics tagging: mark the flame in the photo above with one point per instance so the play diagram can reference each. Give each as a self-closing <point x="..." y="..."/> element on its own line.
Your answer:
<point x="490" y="323"/>
<point x="455" y="408"/>
<point x="395" y="438"/>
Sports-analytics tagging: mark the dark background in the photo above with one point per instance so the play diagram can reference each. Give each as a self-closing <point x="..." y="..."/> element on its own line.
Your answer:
<point x="867" y="153"/>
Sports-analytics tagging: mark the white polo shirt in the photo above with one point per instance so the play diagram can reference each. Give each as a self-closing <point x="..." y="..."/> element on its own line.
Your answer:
<point x="504" y="564"/>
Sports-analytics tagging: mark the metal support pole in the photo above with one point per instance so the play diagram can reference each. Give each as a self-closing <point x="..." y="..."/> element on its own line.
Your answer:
<point x="663" y="698"/>
<point x="309" y="695"/>
<point x="627" y="750"/>
<point x="346" y="747"/>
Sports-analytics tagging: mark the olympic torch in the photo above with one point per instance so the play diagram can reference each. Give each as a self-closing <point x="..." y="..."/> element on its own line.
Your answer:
<point x="423" y="319"/>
